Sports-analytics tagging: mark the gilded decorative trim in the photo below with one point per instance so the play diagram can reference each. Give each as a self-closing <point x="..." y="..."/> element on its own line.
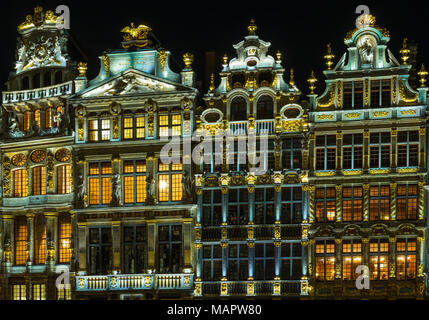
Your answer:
<point x="311" y="203"/>
<point x="408" y="170"/>
<point x="379" y="171"/>
<point x="403" y="96"/>
<point x="354" y="115"/>
<point x="325" y="173"/>
<point x="394" y="90"/>
<point x="325" y="117"/>
<point x="331" y="100"/>
<point x="393" y="201"/>
<point x="352" y="172"/>
<point x="366" y="91"/>
<point x="380" y="114"/>
<point x="339" y="94"/>
<point x="338" y="202"/>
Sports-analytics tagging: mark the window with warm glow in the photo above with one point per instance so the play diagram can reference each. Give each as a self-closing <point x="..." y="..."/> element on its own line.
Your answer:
<point x="163" y="125"/>
<point x="26" y="121"/>
<point x="326" y="149"/>
<point x="176" y="125"/>
<point x="20" y="241"/>
<point x="408" y="148"/>
<point x="352" y="257"/>
<point x="170" y="182"/>
<point x="325" y="260"/>
<point x="128" y="128"/>
<point x="100" y="185"/>
<point x="39" y="180"/>
<point x="379" y="203"/>
<point x="64" y="179"/>
<point x="37" y="118"/>
<point x="64" y="292"/>
<point x="49" y="114"/>
<point x="406" y="202"/>
<point x="379" y="259"/>
<point x="406" y="265"/>
<point x="325" y="204"/>
<point x="379" y="150"/>
<point x="40" y="240"/>
<point x="105" y="129"/>
<point x="93" y="130"/>
<point x="134" y="180"/>
<point x="64" y="238"/>
<point x="20" y="183"/>
<point x="39" y="291"/>
<point x="18" y="292"/>
<point x="352" y="203"/>
<point x="170" y="125"/>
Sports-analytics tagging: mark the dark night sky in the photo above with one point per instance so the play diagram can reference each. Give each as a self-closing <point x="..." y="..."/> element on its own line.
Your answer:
<point x="300" y="29"/>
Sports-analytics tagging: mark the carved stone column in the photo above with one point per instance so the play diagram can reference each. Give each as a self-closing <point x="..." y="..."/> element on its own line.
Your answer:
<point x="311" y="151"/>
<point x="31" y="238"/>
<point x="338" y="242"/>
<point x="339" y="164"/>
<point x="338" y="203"/>
<point x="394" y="139"/>
<point x="421" y="206"/>
<point x="422" y="149"/>
<point x="392" y="258"/>
<point x="52" y="234"/>
<point x="83" y="232"/>
<point x="366" y="187"/>
<point x="187" y="243"/>
<point x="393" y="201"/>
<point x="151" y="244"/>
<point x="116" y="245"/>
<point x="365" y="251"/>
<point x="366" y="135"/>
<point x="311" y="203"/>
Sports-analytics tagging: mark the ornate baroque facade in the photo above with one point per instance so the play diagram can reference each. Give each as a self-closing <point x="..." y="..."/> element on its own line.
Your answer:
<point x="337" y="181"/>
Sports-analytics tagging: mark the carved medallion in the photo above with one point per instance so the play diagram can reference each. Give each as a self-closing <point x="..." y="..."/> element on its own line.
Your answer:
<point x="19" y="159"/>
<point x="63" y="155"/>
<point x="38" y="156"/>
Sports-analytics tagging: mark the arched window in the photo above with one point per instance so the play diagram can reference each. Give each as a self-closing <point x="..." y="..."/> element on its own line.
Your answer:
<point x="37" y="117"/>
<point x="238" y="109"/>
<point x="58" y="77"/>
<point x="264" y="108"/>
<point x="47" y="79"/>
<point x="49" y="115"/>
<point x="26" y="122"/>
<point x="36" y="81"/>
<point x="25" y="83"/>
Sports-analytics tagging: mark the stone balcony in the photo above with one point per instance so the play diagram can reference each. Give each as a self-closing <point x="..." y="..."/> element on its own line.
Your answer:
<point x="62" y="89"/>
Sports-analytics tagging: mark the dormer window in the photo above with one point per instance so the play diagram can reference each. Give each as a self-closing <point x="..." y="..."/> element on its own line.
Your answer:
<point x="353" y="95"/>
<point x="380" y="93"/>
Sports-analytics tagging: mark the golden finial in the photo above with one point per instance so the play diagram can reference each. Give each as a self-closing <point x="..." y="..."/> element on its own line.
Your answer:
<point x="279" y="55"/>
<point x="312" y="81"/>
<point x="212" y="85"/>
<point x="367" y="20"/>
<point x="291" y="80"/>
<point x="329" y="57"/>
<point x="422" y="74"/>
<point x="252" y="27"/>
<point x="188" y="58"/>
<point x="225" y="59"/>
<point x="405" y="52"/>
<point x="82" y="67"/>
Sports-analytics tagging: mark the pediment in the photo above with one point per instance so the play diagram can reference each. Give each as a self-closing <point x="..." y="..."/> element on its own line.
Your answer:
<point x="130" y="82"/>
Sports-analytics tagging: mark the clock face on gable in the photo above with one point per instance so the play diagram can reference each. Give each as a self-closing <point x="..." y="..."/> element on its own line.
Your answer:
<point x="19" y="159"/>
<point x="38" y="156"/>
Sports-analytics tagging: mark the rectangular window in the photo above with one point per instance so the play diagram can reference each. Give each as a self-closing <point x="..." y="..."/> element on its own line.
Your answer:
<point x="20" y="183"/>
<point x="264" y="206"/>
<point x="291" y="206"/>
<point x="325" y="260"/>
<point x="163" y="125"/>
<point x="385" y="93"/>
<point x="380" y="150"/>
<point x="291" y="153"/>
<point x="64" y="237"/>
<point x="352" y="203"/>
<point x="39" y="180"/>
<point x="358" y="95"/>
<point x="134" y="179"/>
<point x="212" y="208"/>
<point x="326" y="148"/>
<point x="135" y="249"/>
<point x="379" y="203"/>
<point x="39" y="291"/>
<point x="105" y="129"/>
<point x="238" y="206"/>
<point x="238" y="262"/>
<point x="352" y="257"/>
<point x="18" y="292"/>
<point x="64" y="292"/>
<point x="347" y="95"/>
<point x="406" y="266"/>
<point x="37" y="118"/>
<point x="40" y="240"/>
<point x="64" y="179"/>
<point x="128" y="128"/>
<point x="406" y="202"/>
<point x="375" y="93"/>
<point x="93" y="130"/>
<point x="291" y="261"/>
<point x="325" y="204"/>
<point x="170" y="182"/>
<point x="264" y="261"/>
<point x="21" y="241"/>
<point x="408" y="148"/>
<point x="176" y="125"/>
<point x="352" y="151"/>
<point x="212" y="262"/>
<point x="170" y="245"/>
<point x="140" y="127"/>
<point x="100" y="185"/>
<point x="379" y="259"/>
<point x="100" y="250"/>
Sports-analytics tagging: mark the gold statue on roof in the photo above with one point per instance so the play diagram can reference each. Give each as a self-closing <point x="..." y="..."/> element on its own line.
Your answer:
<point x="136" y="36"/>
<point x="37" y="19"/>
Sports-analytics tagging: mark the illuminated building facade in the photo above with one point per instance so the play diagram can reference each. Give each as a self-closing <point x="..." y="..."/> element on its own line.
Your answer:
<point x="337" y="182"/>
<point x="367" y="172"/>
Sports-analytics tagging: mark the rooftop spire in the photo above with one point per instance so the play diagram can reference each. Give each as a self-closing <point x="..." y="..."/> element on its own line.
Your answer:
<point x="252" y="27"/>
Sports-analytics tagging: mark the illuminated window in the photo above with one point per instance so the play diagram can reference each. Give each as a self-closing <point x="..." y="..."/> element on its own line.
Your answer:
<point x="380" y="150"/>
<point x="352" y="203"/>
<point x="64" y="292"/>
<point x="135" y="248"/>
<point x="100" y="185"/>
<point x="18" y="292"/>
<point x="105" y="129"/>
<point x="212" y="262"/>
<point x="40" y="240"/>
<point x="170" y="248"/>
<point x="291" y="261"/>
<point x="26" y="121"/>
<point x="64" y="238"/>
<point x="93" y="130"/>
<point x="291" y="153"/>
<point x="49" y="114"/>
<point x="406" y="259"/>
<point x="379" y="203"/>
<point x="408" y="148"/>
<point x="140" y="127"/>
<point x="238" y="262"/>
<point x="325" y="260"/>
<point x="406" y="202"/>
<point x="352" y="257"/>
<point x="39" y="291"/>
<point x="37" y="118"/>
<point x="128" y="128"/>
<point x="352" y="151"/>
<point x="39" y="180"/>
<point x="100" y="250"/>
<point x="171" y="122"/>
<point x="264" y="261"/>
<point x="326" y="148"/>
<point x="20" y="183"/>
<point x="134" y="179"/>
<point x="238" y="206"/>
<point x="325" y="204"/>
<point x="99" y="129"/>
<point x="379" y="259"/>
<point x="20" y="241"/>
<point x="264" y="206"/>
<point x="212" y="208"/>
<point x="176" y="125"/>
<point x="291" y="206"/>
<point x="64" y="179"/>
<point x="163" y="126"/>
<point x="59" y="111"/>
<point x="170" y="182"/>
